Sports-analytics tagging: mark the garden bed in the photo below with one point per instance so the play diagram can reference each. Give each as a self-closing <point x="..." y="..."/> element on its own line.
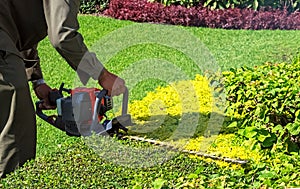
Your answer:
<point x="67" y="162"/>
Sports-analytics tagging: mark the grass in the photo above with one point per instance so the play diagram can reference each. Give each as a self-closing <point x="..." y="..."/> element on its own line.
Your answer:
<point x="229" y="48"/>
<point x="236" y="48"/>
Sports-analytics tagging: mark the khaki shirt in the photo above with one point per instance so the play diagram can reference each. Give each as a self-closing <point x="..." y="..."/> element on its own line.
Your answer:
<point x="29" y="21"/>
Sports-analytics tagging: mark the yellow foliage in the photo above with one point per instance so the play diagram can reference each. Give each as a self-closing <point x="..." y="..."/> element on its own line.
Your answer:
<point x="175" y="99"/>
<point x="224" y="146"/>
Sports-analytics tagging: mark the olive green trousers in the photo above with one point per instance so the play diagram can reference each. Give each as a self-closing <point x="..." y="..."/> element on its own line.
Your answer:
<point x="17" y="115"/>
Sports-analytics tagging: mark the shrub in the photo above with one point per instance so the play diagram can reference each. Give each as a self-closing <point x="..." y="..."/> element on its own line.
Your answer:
<point x="144" y="11"/>
<point x="93" y="6"/>
<point x="186" y="3"/>
<point x="290" y="5"/>
<point x="265" y="103"/>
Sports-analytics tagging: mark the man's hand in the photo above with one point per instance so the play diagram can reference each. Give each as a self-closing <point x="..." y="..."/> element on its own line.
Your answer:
<point x="114" y="84"/>
<point x="42" y="92"/>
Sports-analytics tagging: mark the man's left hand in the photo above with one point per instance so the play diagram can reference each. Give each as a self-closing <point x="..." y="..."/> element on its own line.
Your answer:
<point x="42" y="92"/>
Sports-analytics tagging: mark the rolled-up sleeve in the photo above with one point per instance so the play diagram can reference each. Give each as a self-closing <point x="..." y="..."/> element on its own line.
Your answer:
<point x="32" y="63"/>
<point x="63" y="26"/>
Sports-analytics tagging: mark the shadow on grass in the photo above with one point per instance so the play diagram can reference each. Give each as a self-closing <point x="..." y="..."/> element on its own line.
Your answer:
<point x="185" y="126"/>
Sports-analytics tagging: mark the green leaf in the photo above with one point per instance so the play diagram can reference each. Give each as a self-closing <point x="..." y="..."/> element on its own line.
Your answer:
<point x="293" y="128"/>
<point x="158" y="183"/>
<point x="193" y="176"/>
<point x="250" y="132"/>
<point x="214" y="6"/>
<point x="267" y="119"/>
<point x="280" y="80"/>
<point x="297" y="114"/>
<point x="199" y="170"/>
<point x="269" y="141"/>
<point x="206" y="3"/>
<point x="278" y="128"/>
<point x="241" y="132"/>
<point x="265" y="174"/>
<point x="255" y="4"/>
<point x="137" y="187"/>
<point x="262" y="138"/>
<point x="232" y="125"/>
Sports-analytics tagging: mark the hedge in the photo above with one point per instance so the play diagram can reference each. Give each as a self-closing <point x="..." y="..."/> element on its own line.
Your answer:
<point x="144" y="11"/>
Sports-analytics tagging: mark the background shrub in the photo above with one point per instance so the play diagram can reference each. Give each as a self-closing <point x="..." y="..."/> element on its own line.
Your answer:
<point x="290" y="5"/>
<point x="144" y="11"/>
<point x="93" y="6"/>
<point x="265" y="103"/>
<point x="186" y="3"/>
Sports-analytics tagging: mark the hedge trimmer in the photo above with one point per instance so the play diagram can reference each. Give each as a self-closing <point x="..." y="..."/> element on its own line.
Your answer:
<point x="83" y="113"/>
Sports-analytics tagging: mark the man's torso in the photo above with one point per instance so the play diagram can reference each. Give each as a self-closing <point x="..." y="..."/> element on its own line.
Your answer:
<point x="23" y="21"/>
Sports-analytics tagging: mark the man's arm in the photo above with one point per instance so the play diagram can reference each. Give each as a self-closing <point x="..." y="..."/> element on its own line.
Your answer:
<point x="32" y="64"/>
<point x="61" y="17"/>
<point x="35" y="75"/>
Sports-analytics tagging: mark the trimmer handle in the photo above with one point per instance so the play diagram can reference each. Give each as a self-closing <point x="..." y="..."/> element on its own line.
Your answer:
<point x="39" y="112"/>
<point x="119" y="122"/>
<point x="125" y="102"/>
<point x="52" y="120"/>
<point x="104" y="92"/>
<point x="125" y="119"/>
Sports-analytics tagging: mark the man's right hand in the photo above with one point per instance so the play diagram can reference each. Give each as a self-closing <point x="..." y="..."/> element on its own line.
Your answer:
<point x="111" y="82"/>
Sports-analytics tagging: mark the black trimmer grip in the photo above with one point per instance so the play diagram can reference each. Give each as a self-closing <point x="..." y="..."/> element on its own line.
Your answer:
<point x="52" y="120"/>
<point x="53" y="96"/>
<point x="102" y="94"/>
<point x="40" y="114"/>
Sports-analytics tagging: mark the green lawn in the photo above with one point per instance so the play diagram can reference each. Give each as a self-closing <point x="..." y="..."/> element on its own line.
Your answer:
<point x="229" y="48"/>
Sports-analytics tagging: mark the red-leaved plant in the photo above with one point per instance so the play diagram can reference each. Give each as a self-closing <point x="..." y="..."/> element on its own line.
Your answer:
<point x="144" y="11"/>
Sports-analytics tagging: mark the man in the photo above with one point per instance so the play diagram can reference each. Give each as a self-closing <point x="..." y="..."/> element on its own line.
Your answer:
<point x="23" y="23"/>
